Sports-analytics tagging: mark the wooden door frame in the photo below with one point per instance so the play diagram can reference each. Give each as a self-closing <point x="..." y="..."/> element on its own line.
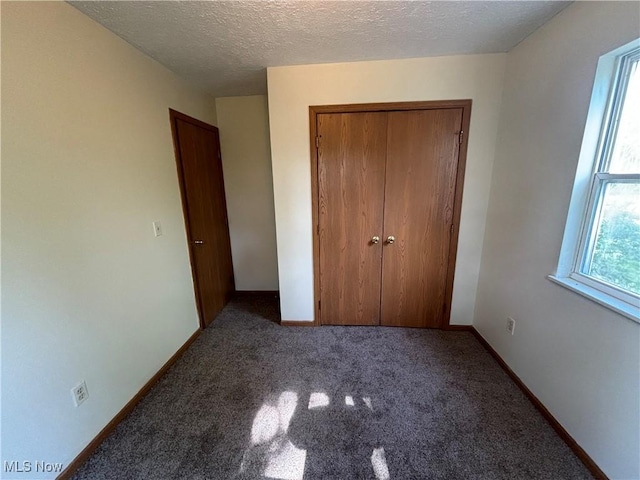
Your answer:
<point x="173" y="117"/>
<point x="315" y="110"/>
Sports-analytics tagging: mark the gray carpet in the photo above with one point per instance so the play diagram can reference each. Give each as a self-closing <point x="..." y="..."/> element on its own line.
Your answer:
<point x="251" y="399"/>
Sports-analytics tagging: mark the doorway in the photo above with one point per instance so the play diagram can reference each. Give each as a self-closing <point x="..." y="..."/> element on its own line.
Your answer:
<point x="199" y="163"/>
<point x="387" y="189"/>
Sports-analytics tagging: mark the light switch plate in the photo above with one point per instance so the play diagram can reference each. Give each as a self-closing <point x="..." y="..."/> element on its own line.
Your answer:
<point x="157" y="229"/>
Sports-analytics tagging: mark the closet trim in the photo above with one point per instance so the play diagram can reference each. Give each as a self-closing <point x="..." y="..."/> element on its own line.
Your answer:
<point x="315" y="110"/>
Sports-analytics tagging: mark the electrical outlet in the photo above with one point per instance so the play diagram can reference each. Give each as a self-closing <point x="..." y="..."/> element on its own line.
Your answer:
<point x="511" y="325"/>
<point x="157" y="229"/>
<point x="79" y="393"/>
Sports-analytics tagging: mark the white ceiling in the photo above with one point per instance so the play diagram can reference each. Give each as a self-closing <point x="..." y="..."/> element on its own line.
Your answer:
<point x="225" y="46"/>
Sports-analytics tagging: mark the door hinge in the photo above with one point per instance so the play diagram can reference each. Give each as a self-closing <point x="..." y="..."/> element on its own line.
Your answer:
<point x="318" y="142"/>
<point x="318" y="304"/>
<point x="317" y="229"/>
<point x="451" y="229"/>
<point x="460" y="137"/>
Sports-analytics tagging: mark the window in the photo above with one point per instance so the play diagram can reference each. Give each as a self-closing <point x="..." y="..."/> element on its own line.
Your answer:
<point x="600" y="257"/>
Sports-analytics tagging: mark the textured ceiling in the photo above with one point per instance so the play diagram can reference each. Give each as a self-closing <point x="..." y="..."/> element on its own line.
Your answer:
<point x="224" y="47"/>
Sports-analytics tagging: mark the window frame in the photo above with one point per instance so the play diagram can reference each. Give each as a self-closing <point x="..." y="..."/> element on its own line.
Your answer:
<point x="592" y="177"/>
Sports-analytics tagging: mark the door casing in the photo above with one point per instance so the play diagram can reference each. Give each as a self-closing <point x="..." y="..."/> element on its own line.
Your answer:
<point x="315" y="110"/>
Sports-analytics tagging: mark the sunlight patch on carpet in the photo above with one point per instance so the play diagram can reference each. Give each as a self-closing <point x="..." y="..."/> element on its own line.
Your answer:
<point x="318" y="400"/>
<point x="379" y="463"/>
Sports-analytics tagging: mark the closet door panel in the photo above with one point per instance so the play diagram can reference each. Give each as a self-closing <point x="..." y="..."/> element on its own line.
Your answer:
<point x="422" y="161"/>
<point x="351" y="172"/>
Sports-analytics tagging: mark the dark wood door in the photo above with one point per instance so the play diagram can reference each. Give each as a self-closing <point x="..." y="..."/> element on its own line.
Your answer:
<point x="351" y="163"/>
<point x="202" y="186"/>
<point x="420" y="190"/>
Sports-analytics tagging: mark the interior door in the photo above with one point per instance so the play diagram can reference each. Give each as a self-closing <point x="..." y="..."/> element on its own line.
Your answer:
<point x="202" y="186"/>
<point x="351" y="169"/>
<point x="422" y="162"/>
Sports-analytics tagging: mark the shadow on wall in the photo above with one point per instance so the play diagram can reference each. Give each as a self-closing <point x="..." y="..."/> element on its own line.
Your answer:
<point x="314" y="435"/>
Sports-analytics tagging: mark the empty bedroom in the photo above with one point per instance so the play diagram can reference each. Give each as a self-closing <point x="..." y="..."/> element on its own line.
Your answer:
<point x="314" y="240"/>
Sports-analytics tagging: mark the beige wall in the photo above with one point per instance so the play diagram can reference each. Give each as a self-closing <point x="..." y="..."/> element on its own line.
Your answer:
<point x="293" y="89"/>
<point x="581" y="359"/>
<point x="246" y="158"/>
<point x="87" y="165"/>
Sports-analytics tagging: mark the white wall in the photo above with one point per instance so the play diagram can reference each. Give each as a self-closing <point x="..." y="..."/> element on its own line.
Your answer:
<point x="293" y="89"/>
<point x="246" y="159"/>
<point x="580" y="359"/>
<point x="88" y="292"/>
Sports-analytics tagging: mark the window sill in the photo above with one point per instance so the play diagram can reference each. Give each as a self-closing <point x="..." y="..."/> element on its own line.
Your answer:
<point x="623" y="308"/>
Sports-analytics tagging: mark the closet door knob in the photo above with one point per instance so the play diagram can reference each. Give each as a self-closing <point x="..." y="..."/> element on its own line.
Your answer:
<point x="391" y="239"/>
<point x="375" y="239"/>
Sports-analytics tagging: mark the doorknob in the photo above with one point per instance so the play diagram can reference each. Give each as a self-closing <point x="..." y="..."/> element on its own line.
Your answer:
<point x="391" y="239"/>
<point x="375" y="239"/>
<point x="198" y="242"/>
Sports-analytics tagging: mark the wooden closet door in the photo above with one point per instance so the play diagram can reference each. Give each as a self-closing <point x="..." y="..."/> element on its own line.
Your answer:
<point x="351" y="169"/>
<point x="422" y="161"/>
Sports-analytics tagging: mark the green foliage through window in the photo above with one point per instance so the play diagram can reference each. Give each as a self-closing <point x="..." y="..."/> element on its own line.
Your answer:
<point x="616" y="256"/>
